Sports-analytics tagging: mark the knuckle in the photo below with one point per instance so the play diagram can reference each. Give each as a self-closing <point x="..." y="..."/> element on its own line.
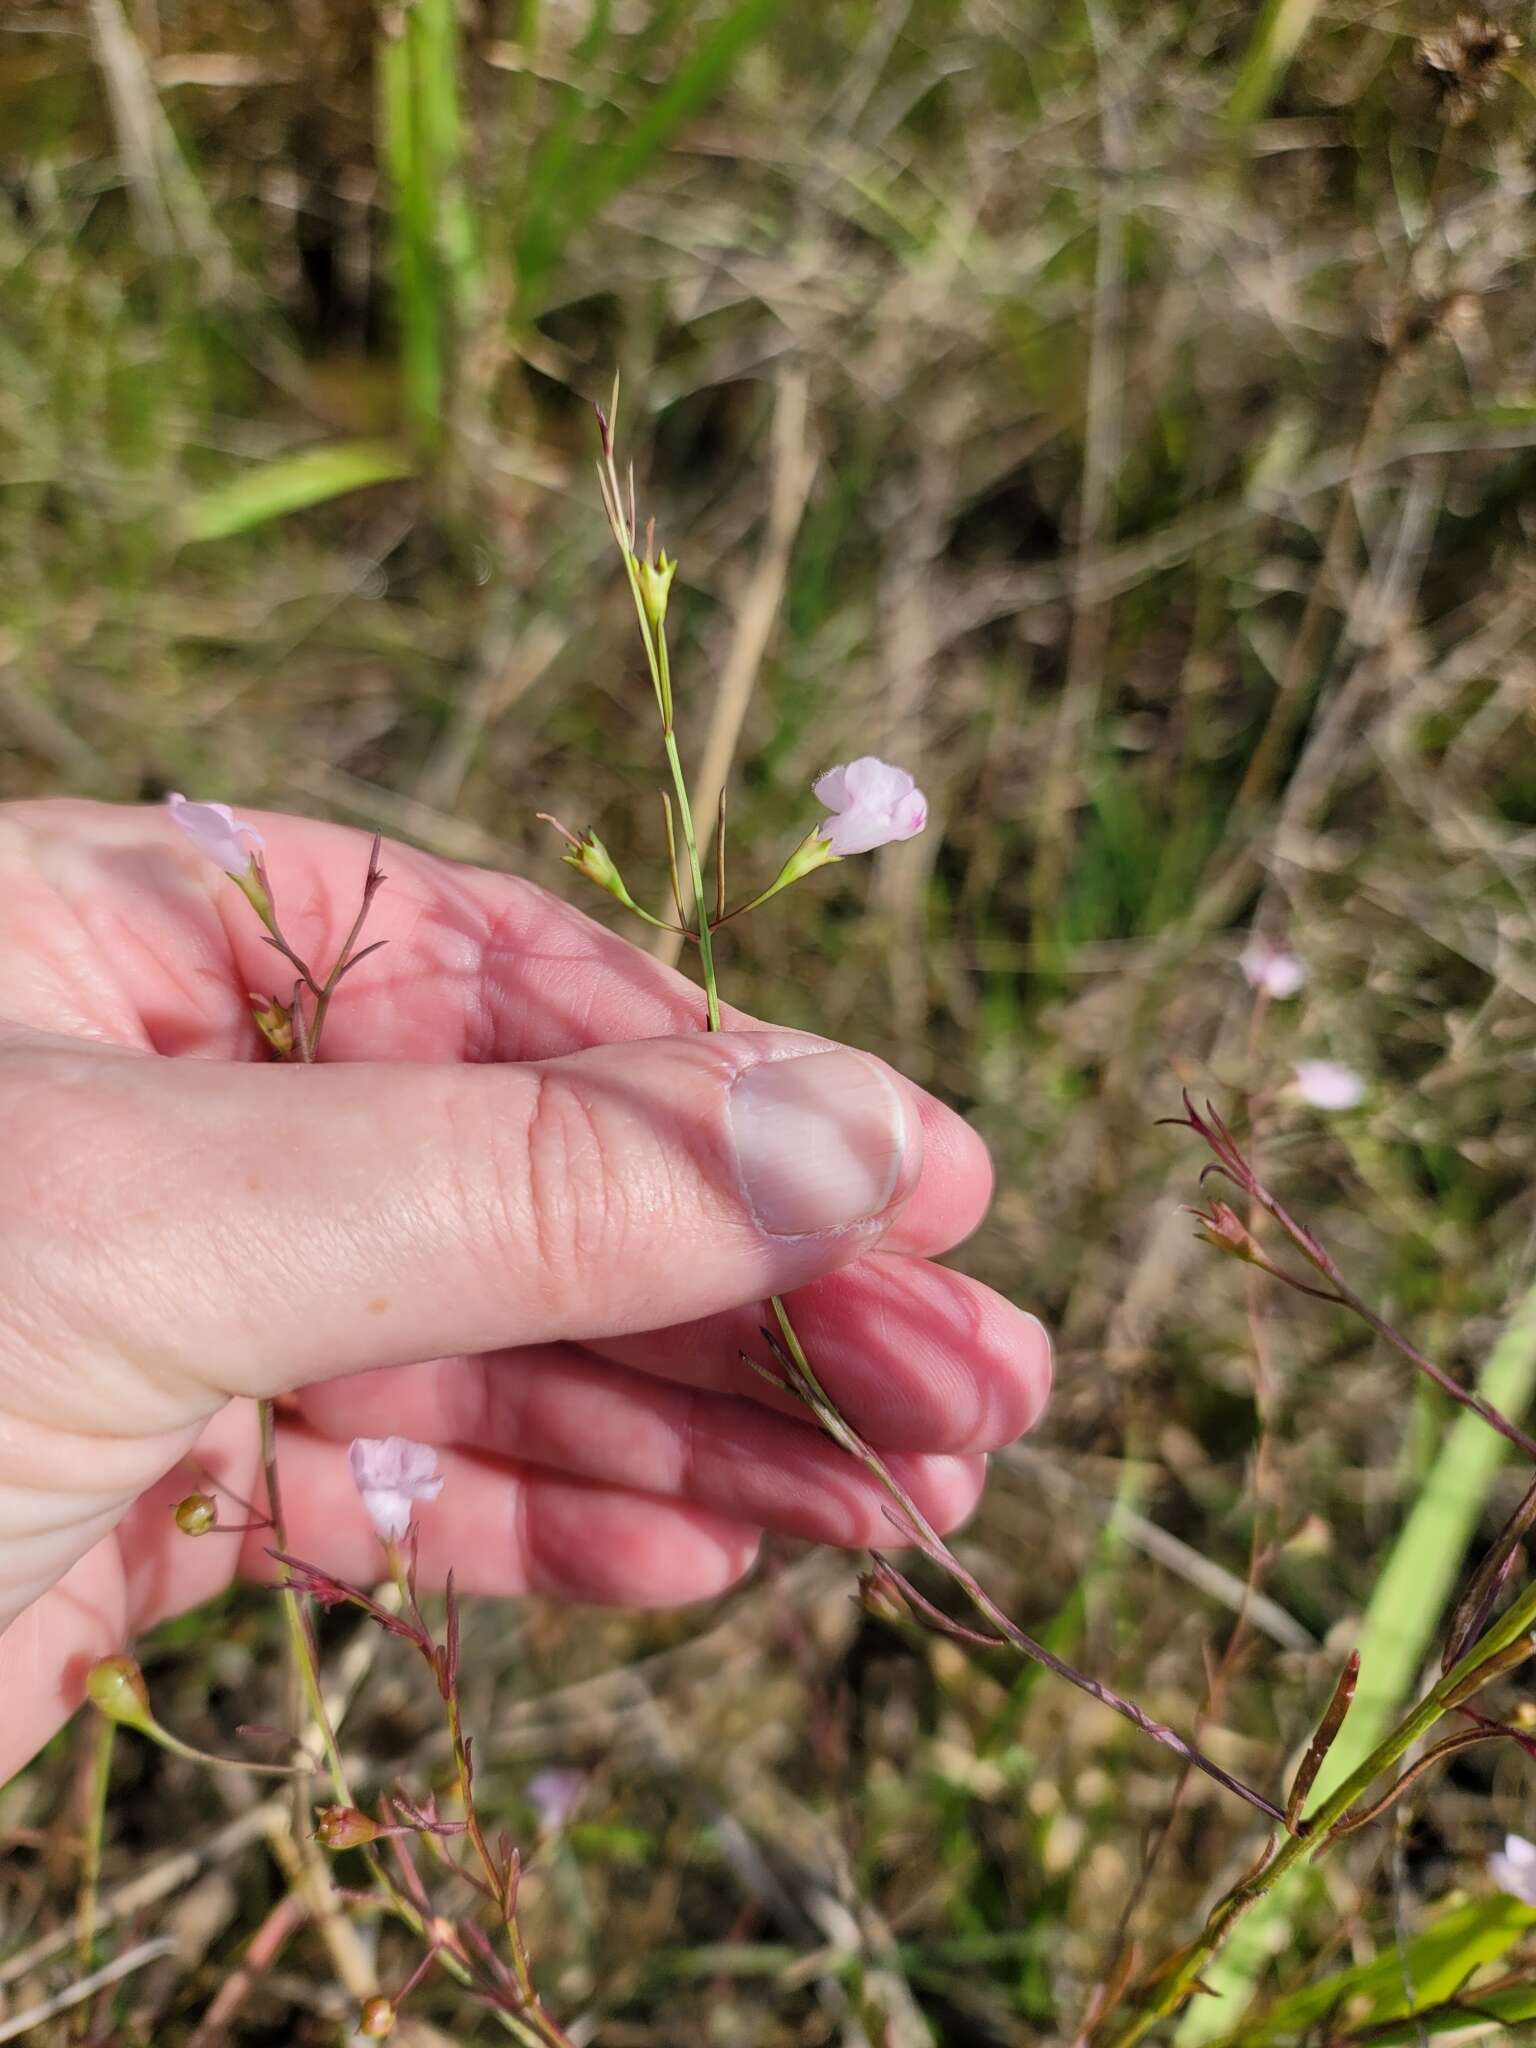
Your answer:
<point x="564" y="1198"/>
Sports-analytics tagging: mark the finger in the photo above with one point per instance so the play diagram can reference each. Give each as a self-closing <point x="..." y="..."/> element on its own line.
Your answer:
<point x="565" y="1411"/>
<point x="916" y="1357"/>
<point x="477" y="967"/>
<point x="47" y="1650"/>
<point x="246" y="1229"/>
<point x="508" y="1529"/>
<point x="127" y="1581"/>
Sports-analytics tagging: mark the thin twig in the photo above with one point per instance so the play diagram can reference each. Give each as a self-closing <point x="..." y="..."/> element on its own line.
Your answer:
<point x="121" y="1966"/>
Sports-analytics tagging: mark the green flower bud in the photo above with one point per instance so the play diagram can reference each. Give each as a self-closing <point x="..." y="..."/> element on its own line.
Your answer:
<point x="274" y="1020"/>
<point x="115" y="1687"/>
<point x="197" y="1514"/>
<point x="655" y="585"/>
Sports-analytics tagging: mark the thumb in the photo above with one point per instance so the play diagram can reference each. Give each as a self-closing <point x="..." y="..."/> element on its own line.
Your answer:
<point x="304" y="1222"/>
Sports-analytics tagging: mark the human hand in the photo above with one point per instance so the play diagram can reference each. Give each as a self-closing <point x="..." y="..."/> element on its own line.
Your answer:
<point x="521" y="1161"/>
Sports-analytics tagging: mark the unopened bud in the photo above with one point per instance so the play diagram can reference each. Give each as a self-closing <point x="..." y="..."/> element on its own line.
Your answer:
<point x="1227" y="1231"/>
<point x="812" y="853"/>
<point x="376" y="2021"/>
<point x="655" y="585"/>
<point x="197" y="1514"/>
<point x="253" y="885"/>
<point x="274" y="1020"/>
<point x="586" y="853"/>
<point x="115" y="1687"/>
<point x="879" y="1600"/>
<point x="344" y="1827"/>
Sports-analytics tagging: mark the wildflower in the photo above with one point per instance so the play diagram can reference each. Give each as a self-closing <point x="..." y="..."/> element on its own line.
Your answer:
<point x="871" y="804"/>
<point x="1513" y="1868"/>
<point x="554" y="1796"/>
<point x="1329" y="1084"/>
<point x="391" y="1473"/>
<point x="1466" y="66"/>
<point x="1270" y="968"/>
<point x="218" y="835"/>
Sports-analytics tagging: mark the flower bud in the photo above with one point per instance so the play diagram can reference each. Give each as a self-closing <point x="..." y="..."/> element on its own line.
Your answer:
<point x="655" y="585"/>
<point x="813" y="852"/>
<point x="586" y="853"/>
<point x="115" y="1687"/>
<point x="878" y="1599"/>
<point x="376" y="2021"/>
<point x="197" y="1514"/>
<point x="344" y="1827"/>
<point x="274" y="1020"/>
<point x="1227" y="1231"/>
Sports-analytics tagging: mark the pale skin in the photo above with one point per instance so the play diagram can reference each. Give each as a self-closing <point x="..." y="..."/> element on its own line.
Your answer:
<point x="508" y="1214"/>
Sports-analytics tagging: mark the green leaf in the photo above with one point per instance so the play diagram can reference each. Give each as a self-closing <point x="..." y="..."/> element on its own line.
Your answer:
<point x="1436" y="1963"/>
<point x="288" y="484"/>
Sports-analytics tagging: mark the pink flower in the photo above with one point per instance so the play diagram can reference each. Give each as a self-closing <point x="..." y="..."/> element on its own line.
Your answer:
<point x="391" y="1472"/>
<point x="1513" y="1869"/>
<point x="1271" y="968"/>
<point x="871" y="803"/>
<point x="554" y="1795"/>
<point x="1329" y="1084"/>
<point x="218" y="835"/>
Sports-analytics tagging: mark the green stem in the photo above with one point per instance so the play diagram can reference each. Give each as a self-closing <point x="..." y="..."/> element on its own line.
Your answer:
<point x="90" y="1853"/>
<point x="1299" y="1848"/>
<point x="695" y="871"/>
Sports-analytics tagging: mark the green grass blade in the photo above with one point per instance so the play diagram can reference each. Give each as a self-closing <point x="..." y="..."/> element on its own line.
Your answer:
<point x="1275" y="42"/>
<point x="1401" y="1621"/>
<point x="310" y="477"/>
<point x="609" y="167"/>
<point x="434" y="246"/>
<point x="1436" y="1963"/>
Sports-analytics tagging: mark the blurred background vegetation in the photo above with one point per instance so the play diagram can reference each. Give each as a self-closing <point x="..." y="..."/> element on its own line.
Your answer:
<point x="1125" y="418"/>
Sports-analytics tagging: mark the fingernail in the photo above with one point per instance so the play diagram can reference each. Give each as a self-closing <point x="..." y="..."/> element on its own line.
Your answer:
<point x="820" y="1140"/>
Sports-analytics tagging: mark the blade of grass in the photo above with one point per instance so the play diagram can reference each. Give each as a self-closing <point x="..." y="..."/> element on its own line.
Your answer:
<point x="309" y="477"/>
<point x="1278" y="37"/>
<point x="1405" y="1611"/>
<point x="435" y="252"/>
<point x="1436" y="1963"/>
<point x="632" y="143"/>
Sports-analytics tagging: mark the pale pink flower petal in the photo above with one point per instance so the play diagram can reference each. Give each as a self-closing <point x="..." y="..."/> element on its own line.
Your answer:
<point x="831" y="789"/>
<point x="392" y="1473"/>
<point x="1513" y="1869"/>
<point x="1274" y="970"/>
<point x="876" y="785"/>
<point x="554" y="1795"/>
<point x="1329" y="1084"/>
<point x="872" y="803"/>
<point x="218" y="834"/>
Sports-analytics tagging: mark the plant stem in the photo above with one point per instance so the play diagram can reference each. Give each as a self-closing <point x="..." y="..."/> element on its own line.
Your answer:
<point x="695" y="871"/>
<point x="90" y="1856"/>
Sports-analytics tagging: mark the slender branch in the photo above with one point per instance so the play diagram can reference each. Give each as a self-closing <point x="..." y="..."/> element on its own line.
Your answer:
<point x="1230" y="1162"/>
